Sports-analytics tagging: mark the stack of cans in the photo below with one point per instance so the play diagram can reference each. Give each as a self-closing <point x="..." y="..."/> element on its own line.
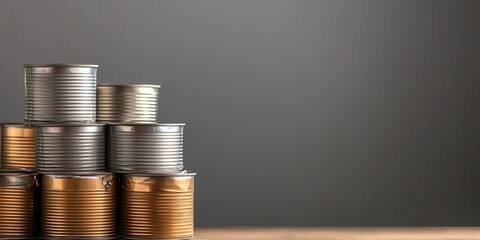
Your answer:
<point x="56" y="181"/>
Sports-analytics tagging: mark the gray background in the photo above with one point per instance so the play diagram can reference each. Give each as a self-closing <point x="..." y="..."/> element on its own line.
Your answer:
<point x="298" y="112"/>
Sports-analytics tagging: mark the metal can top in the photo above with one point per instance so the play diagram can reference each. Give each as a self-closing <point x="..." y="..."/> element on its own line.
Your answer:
<point x="16" y="125"/>
<point x="23" y="179"/>
<point x="127" y="85"/>
<point x="148" y="124"/>
<point x="180" y="182"/>
<point x="183" y="174"/>
<point x="148" y="127"/>
<point x="18" y="129"/>
<point x="57" y="65"/>
<point x="71" y="127"/>
<point x="72" y="181"/>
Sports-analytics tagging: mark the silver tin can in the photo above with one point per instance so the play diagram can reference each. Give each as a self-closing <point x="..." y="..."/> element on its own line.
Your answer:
<point x="19" y="208"/>
<point x="70" y="148"/>
<point x="172" y="212"/>
<point x="146" y="148"/>
<point x="60" y="93"/>
<point x="127" y="103"/>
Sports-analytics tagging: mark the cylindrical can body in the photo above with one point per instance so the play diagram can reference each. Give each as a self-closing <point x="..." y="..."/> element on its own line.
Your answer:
<point x="60" y="93"/>
<point x="79" y="206"/>
<point x="146" y="148"/>
<point x="157" y="206"/>
<point x="19" y="205"/>
<point x="127" y="103"/>
<point x="70" y="148"/>
<point x="18" y="146"/>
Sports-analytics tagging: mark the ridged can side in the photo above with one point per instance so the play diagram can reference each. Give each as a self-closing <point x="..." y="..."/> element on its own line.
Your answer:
<point x="18" y="146"/>
<point x="19" y="193"/>
<point x="79" y="206"/>
<point x="60" y="93"/>
<point x="157" y="206"/>
<point x="70" y="148"/>
<point x="146" y="148"/>
<point x="127" y="103"/>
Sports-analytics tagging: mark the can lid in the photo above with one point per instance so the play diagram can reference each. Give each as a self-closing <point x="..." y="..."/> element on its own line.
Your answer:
<point x="128" y="85"/>
<point x="162" y="175"/>
<point x="72" y="124"/>
<point x="60" y="65"/>
<point x="16" y="125"/>
<point x="147" y="124"/>
<point x="20" y="171"/>
<point x="81" y="175"/>
<point x="17" y="178"/>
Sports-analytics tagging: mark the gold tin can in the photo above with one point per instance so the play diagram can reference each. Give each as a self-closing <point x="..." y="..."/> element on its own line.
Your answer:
<point x="18" y="146"/>
<point x="79" y="206"/>
<point x="157" y="206"/>
<point x="19" y="206"/>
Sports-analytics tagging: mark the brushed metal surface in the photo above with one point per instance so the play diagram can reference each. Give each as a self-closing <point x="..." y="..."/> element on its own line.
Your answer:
<point x="127" y="103"/>
<point x="60" y="93"/>
<point x="146" y="148"/>
<point x="18" y="205"/>
<point x="157" y="206"/>
<point x="18" y="146"/>
<point x="70" y="148"/>
<point x="79" y="206"/>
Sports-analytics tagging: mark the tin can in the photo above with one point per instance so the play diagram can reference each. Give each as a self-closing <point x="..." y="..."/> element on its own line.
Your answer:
<point x="18" y="146"/>
<point x="146" y="148"/>
<point x="70" y="148"/>
<point x="157" y="206"/>
<point x="79" y="206"/>
<point x="127" y="103"/>
<point x="19" y="192"/>
<point x="60" y="93"/>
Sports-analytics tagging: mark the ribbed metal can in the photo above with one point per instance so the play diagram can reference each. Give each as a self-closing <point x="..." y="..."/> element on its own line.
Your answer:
<point x="70" y="147"/>
<point x="79" y="206"/>
<point x="18" y="146"/>
<point x="19" y="205"/>
<point x="127" y="103"/>
<point x="146" y="148"/>
<point x="60" y="93"/>
<point x="157" y="206"/>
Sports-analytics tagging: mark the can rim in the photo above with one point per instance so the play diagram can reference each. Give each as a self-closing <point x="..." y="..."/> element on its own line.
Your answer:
<point x="72" y="124"/>
<point x="146" y="124"/>
<point x="17" y="172"/>
<point x="70" y="175"/>
<point x="127" y="85"/>
<point x="186" y="174"/>
<point x="17" y="125"/>
<point x="60" y="65"/>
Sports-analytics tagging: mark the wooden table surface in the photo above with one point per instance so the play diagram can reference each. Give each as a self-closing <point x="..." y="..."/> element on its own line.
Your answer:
<point x="435" y="233"/>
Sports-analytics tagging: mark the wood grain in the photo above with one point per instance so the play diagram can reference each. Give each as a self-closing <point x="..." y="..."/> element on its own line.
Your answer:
<point x="443" y="233"/>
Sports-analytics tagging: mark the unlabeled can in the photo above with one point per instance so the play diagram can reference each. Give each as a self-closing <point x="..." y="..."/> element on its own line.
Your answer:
<point x="79" y="206"/>
<point x="18" y="146"/>
<point x="157" y="206"/>
<point x="70" y="147"/>
<point x="60" y="93"/>
<point x="127" y="103"/>
<point x="146" y="148"/>
<point x="19" y="192"/>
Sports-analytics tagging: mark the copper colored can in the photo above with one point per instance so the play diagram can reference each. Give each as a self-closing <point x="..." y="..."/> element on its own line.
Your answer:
<point x="18" y="146"/>
<point x="79" y="206"/>
<point x="157" y="206"/>
<point x="18" y="205"/>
